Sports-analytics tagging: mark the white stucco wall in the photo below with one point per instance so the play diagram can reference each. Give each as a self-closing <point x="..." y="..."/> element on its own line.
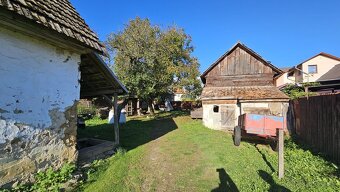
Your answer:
<point x="324" y="64"/>
<point x="39" y="82"/>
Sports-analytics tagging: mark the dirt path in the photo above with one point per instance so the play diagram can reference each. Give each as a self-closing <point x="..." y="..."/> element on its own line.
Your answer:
<point x="180" y="154"/>
<point x="167" y="165"/>
<point x="157" y="163"/>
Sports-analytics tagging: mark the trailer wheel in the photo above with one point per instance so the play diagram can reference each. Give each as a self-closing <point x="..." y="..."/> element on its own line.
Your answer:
<point x="274" y="145"/>
<point x="237" y="136"/>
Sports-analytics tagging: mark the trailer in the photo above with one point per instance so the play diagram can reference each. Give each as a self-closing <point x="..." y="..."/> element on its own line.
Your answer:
<point x="259" y="126"/>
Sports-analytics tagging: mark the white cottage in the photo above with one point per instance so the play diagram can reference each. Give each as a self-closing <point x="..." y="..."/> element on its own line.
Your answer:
<point x="49" y="59"/>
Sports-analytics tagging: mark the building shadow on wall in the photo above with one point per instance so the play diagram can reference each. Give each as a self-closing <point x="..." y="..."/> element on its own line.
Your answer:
<point x="273" y="185"/>
<point x="226" y="183"/>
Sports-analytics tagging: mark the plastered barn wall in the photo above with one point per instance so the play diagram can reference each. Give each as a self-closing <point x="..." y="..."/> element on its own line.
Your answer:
<point x="38" y="89"/>
<point x="213" y="120"/>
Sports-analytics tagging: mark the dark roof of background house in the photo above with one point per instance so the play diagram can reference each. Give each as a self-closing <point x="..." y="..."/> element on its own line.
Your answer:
<point x="244" y="93"/>
<point x="247" y="49"/>
<point x="332" y="74"/>
<point x="57" y="15"/>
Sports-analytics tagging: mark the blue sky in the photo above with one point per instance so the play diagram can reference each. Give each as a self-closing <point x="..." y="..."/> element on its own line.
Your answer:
<point x="284" y="32"/>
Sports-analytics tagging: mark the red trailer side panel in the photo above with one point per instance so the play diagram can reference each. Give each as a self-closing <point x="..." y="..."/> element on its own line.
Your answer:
<point x="261" y="125"/>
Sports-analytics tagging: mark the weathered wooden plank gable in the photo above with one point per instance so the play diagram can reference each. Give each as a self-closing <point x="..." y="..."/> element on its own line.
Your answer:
<point x="240" y="68"/>
<point x="239" y="62"/>
<point x="215" y="71"/>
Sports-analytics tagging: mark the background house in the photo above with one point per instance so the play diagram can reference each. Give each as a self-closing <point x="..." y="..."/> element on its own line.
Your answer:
<point x="329" y="82"/>
<point x="177" y="95"/>
<point x="284" y="78"/>
<point x="49" y="60"/>
<point x="239" y="82"/>
<point x="309" y="70"/>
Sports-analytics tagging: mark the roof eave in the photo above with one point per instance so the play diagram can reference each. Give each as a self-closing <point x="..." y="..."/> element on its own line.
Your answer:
<point x="103" y="64"/>
<point x="19" y="23"/>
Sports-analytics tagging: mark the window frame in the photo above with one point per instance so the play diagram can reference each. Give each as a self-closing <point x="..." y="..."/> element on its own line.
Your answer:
<point x="316" y="69"/>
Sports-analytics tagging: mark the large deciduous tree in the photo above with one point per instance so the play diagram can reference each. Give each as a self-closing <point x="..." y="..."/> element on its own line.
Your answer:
<point x="152" y="62"/>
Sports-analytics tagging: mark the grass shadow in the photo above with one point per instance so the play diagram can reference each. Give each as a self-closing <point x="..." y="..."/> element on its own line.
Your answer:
<point x="226" y="183"/>
<point x="259" y="141"/>
<point x="273" y="185"/>
<point x="102" y="131"/>
<point x="265" y="158"/>
<point x="136" y="131"/>
<point x="139" y="131"/>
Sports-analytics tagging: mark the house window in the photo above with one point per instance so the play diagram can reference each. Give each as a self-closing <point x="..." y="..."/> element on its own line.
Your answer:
<point x="290" y="74"/>
<point x="216" y="108"/>
<point x="312" y="68"/>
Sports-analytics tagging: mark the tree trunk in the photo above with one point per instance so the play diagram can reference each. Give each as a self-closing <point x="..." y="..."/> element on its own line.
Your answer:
<point x="139" y="113"/>
<point x="152" y="111"/>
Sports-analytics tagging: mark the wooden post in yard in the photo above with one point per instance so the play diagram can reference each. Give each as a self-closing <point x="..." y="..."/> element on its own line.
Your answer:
<point x="307" y="92"/>
<point x="280" y="143"/>
<point x="116" y="120"/>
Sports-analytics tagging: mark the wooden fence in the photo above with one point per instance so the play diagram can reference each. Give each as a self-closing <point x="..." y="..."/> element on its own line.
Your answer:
<point x="316" y="121"/>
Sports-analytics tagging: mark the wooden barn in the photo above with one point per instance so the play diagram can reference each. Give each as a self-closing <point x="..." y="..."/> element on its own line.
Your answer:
<point x="239" y="82"/>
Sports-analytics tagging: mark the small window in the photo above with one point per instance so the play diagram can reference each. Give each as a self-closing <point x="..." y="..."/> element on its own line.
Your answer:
<point x="290" y="74"/>
<point x="312" y="68"/>
<point x="216" y="108"/>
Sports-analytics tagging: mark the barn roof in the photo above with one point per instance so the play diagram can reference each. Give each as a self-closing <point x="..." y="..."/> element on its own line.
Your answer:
<point x="56" y="15"/>
<point x="248" y="50"/>
<point x="332" y="74"/>
<point x="97" y="78"/>
<point x="243" y="93"/>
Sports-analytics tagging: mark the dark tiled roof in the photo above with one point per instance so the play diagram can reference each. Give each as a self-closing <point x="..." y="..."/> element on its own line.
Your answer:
<point x="245" y="93"/>
<point x="332" y="74"/>
<point x="57" y="15"/>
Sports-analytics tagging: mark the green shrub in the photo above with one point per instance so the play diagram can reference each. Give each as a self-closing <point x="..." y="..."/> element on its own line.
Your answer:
<point x="48" y="180"/>
<point x="295" y="91"/>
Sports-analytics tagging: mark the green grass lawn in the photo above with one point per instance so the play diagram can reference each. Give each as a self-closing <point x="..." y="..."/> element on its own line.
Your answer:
<point x="171" y="152"/>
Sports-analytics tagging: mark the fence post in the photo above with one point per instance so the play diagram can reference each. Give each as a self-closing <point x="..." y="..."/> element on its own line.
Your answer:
<point x="280" y="143"/>
<point x="116" y="120"/>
